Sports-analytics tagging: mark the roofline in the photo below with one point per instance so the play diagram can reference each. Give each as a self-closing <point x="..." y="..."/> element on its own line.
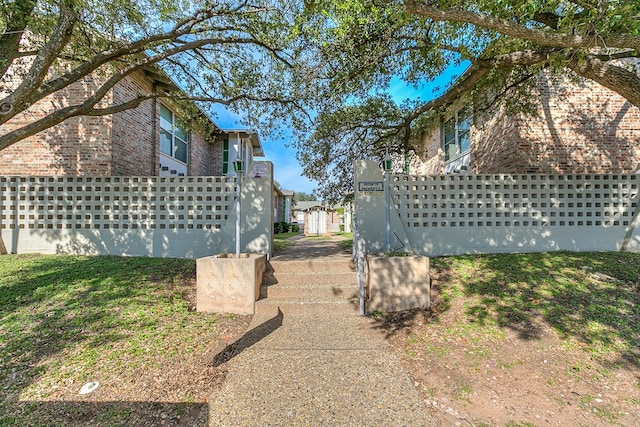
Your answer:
<point x="251" y="135"/>
<point x="157" y="73"/>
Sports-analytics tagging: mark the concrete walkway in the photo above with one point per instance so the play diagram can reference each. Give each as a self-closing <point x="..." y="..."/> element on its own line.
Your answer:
<point x="309" y="359"/>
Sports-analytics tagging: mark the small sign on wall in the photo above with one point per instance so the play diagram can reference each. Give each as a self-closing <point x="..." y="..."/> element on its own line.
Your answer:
<point x="259" y="170"/>
<point x="366" y="186"/>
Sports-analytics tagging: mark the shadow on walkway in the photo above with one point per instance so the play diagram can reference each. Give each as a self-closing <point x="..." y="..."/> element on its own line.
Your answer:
<point x="308" y="249"/>
<point x="250" y="338"/>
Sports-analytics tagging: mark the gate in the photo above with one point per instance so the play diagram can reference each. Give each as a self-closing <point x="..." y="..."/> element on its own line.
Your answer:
<point x="318" y="222"/>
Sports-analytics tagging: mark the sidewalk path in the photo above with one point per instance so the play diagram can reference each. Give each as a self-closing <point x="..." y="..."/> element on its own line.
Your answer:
<point x="311" y="360"/>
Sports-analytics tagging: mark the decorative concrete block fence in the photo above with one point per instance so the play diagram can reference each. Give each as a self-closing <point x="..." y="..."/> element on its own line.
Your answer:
<point x="175" y="217"/>
<point x="397" y="283"/>
<point x="226" y="284"/>
<point x="438" y="215"/>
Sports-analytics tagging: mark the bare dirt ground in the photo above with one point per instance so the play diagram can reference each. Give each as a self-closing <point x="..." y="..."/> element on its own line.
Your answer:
<point x="525" y="374"/>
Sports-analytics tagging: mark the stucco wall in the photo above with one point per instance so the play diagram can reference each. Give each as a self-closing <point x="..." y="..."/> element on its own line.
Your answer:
<point x="187" y="217"/>
<point x="440" y="215"/>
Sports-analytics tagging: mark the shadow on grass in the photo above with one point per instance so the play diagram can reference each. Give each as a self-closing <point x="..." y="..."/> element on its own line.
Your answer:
<point x="52" y="304"/>
<point x="85" y="413"/>
<point x="589" y="297"/>
<point x="586" y="296"/>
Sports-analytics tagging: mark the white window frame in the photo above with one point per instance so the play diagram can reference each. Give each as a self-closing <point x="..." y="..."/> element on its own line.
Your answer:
<point x="458" y="143"/>
<point x="175" y="139"/>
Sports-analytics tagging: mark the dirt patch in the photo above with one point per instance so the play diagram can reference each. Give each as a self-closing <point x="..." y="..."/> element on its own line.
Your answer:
<point x="524" y="372"/>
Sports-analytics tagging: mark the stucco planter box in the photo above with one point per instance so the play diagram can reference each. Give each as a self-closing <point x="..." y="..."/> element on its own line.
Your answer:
<point x="397" y="283"/>
<point x="226" y="284"/>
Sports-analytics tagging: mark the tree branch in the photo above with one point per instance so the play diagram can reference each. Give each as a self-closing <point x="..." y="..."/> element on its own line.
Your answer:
<point x="31" y="90"/>
<point x="83" y="70"/>
<point x="542" y="38"/>
<point x="18" y="13"/>
<point x="624" y="82"/>
<point x="479" y="69"/>
<point x="549" y="19"/>
<point x="87" y="109"/>
<point x="42" y="62"/>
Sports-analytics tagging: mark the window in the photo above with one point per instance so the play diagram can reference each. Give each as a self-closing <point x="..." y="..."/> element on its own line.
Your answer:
<point x="174" y="139"/>
<point x="456" y="135"/>
<point x="225" y="156"/>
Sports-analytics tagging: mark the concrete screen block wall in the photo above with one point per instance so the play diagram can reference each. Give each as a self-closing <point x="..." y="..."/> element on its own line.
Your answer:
<point x="457" y="214"/>
<point x="183" y="217"/>
<point x="143" y="216"/>
<point x="256" y="213"/>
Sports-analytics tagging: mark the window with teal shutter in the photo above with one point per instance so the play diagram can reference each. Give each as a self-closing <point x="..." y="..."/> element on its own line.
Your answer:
<point x="225" y="156"/>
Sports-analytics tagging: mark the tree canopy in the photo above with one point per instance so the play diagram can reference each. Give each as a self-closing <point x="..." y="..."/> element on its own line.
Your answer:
<point x="323" y="67"/>
<point x="364" y="43"/>
<point x="301" y="196"/>
<point x="232" y="53"/>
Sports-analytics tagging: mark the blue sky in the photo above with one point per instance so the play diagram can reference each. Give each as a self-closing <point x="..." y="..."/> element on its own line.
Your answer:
<point x="287" y="169"/>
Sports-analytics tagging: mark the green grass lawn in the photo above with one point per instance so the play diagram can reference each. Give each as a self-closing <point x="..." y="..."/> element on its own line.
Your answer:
<point x="589" y="297"/>
<point x="347" y="244"/>
<point x="515" y="336"/>
<point x="283" y="236"/>
<point x="281" y="240"/>
<point x="346" y="235"/>
<point x="322" y="237"/>
<point x="67" y="320"/>
<point x="129" y="323"/>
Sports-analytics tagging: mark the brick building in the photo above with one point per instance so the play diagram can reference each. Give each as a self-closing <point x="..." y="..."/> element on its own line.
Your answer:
<point x="580" y="127"/>
<point x="152" y="139"/>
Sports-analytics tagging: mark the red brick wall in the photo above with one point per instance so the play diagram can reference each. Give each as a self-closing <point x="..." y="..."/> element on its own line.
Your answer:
<point x="496" y="145"/>
<point x="429" y="160"/>
<point x="78" y="146"/>
<point x="123" y="144"/>
<point x="135" y="133"/>
<point x="580" y="128"/>
<point x="215" y="157"/>
<point x="200" y="155"/>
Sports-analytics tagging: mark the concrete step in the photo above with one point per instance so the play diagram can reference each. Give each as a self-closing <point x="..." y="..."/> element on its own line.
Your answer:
<point x="308" y="278"/>
<point x="311" y="291"/>
<point x="318" y="285"/>
<point x="335" y="265"/>
<point x="306" y="306"/>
